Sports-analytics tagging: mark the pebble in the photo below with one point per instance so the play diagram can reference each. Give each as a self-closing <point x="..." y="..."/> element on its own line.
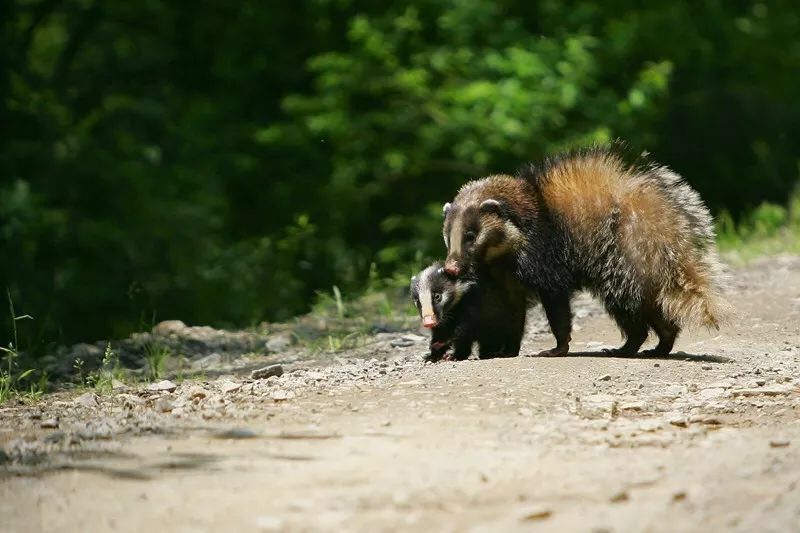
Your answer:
<point x="536" y="512"/>
<point x="678" y="420"/>
<point x="236" y="433"/>
<point x="679" y="496"/>
<point x="88" y="399"/>
<point x="604" y="377"/>
<point x="779" y="443"/>
<point x="229" y="386"/>
<point x="162" y="386"/>
<point x="267" y="372"/>
<point x="706" y="367"/>
<point x="621" y="496"/>
<point x="633" y="406"/>
<point x="402" y="342"/>
<point x="164" y="405"/>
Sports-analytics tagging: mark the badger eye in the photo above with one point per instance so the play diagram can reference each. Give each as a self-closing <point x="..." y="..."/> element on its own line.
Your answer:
<point x="469" y="236"/>
<point x="437" y="297"/>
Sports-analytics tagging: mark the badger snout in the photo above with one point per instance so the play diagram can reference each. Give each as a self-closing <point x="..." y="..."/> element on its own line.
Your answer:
<point x="429" y="321"/>
<point x="452" y="269"/>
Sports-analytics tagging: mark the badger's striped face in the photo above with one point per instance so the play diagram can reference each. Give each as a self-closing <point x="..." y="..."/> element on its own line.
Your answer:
<point x="475" y="234"/>
<point x="435" y="294"/>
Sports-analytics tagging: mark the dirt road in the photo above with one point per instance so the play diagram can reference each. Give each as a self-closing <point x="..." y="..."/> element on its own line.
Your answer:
<point x="707" y="440"/>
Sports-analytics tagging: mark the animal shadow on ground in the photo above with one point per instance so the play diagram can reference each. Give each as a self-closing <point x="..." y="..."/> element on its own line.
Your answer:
<point x="675" y="356"/>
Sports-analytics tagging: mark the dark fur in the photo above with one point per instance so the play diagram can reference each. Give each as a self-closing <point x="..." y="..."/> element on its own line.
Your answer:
<point x="491" y="312"/>
<point x="555" y="252"/>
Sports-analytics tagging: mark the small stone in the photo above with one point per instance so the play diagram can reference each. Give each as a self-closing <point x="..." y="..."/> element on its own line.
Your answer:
<point x="679" y="496"/>
<point x="633" y="406"/>
<point x="118" y="386"/>
<point x="88" y="399"/>
<point x="402" y="342"/>
<point x="678" y="420"/>
<point x="49" y="423"/>
<point x="162" y="386"/>
<point x="536" y="512"/>
<point x="236" y="433"/>
<point x="524" y="411"/>
<point x="267" y="372"/>
<point x="164" y="405"/>
<point x="229" y="386"/>
<point x="706" y="367"/>
<point x="282" y="395"/>
<point x="779" y="443"/>
<point x="621" y="496"/>
<point x="761" y="382"/>
<point x="597" y="405"/>
<point x="604" y="377"/>
<point x="656" y="365"/>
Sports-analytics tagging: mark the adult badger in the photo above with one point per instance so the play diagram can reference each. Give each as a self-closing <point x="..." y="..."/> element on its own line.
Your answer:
<point x="635" y="235"/>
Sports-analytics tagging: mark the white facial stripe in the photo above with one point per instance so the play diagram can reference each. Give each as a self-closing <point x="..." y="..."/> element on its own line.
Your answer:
<point x="456" y="229"/>
<point x="425" y="299"/>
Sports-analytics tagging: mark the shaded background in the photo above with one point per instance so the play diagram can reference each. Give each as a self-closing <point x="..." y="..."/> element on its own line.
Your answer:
<point x="219" y="162"/>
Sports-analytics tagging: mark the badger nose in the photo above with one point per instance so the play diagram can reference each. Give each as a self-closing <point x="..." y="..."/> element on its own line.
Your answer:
<point x="429" y="321"/>
<point x="451" y="269"/>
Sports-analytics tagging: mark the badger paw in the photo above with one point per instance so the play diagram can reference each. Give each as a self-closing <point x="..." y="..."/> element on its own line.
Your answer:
<point x="554" y="352"/>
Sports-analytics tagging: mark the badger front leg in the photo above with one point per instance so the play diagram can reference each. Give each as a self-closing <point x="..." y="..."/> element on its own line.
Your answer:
<point x="559" y="316"/>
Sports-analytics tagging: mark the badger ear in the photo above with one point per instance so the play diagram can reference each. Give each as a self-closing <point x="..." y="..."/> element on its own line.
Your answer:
<point x="445" y="209"/>
<point x="492" y="206"/>
<point x="413" y="279"/>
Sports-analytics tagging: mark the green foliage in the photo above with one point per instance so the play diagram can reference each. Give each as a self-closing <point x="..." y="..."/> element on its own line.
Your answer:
<point x="768" y="229"/>
<point x="156" y="356"/>
<point x="146" y="174"/>
<point x="13" y="380"/>
<point x="102" y="379"/>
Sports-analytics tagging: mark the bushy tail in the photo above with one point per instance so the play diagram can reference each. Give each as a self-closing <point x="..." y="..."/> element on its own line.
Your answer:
<point x="693" y="295"/>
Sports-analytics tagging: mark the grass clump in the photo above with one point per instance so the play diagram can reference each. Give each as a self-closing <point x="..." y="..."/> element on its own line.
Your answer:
<point x="13" y="381"/>
<point x="769" y="229"/>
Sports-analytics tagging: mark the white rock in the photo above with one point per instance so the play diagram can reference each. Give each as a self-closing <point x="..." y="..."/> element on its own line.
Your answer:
<point x="88" y="399"/>
<point x="229" y="386"/>
<point x="162" y="386"/>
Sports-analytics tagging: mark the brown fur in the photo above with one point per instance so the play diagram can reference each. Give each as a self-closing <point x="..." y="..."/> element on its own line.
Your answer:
<point x="637" y="236"/>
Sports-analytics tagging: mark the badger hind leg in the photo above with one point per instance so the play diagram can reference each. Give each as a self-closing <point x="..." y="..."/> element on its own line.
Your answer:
<point x="633" y="327"/>
<point x="667" y="331"/>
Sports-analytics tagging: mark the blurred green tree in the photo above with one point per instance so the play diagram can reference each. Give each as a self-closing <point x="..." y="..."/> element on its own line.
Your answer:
<point x="221" y="162"/>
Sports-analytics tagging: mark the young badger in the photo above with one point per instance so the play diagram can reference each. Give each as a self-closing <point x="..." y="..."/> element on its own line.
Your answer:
<point x="489" y="309"/>
<point x="637" y="237"/>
